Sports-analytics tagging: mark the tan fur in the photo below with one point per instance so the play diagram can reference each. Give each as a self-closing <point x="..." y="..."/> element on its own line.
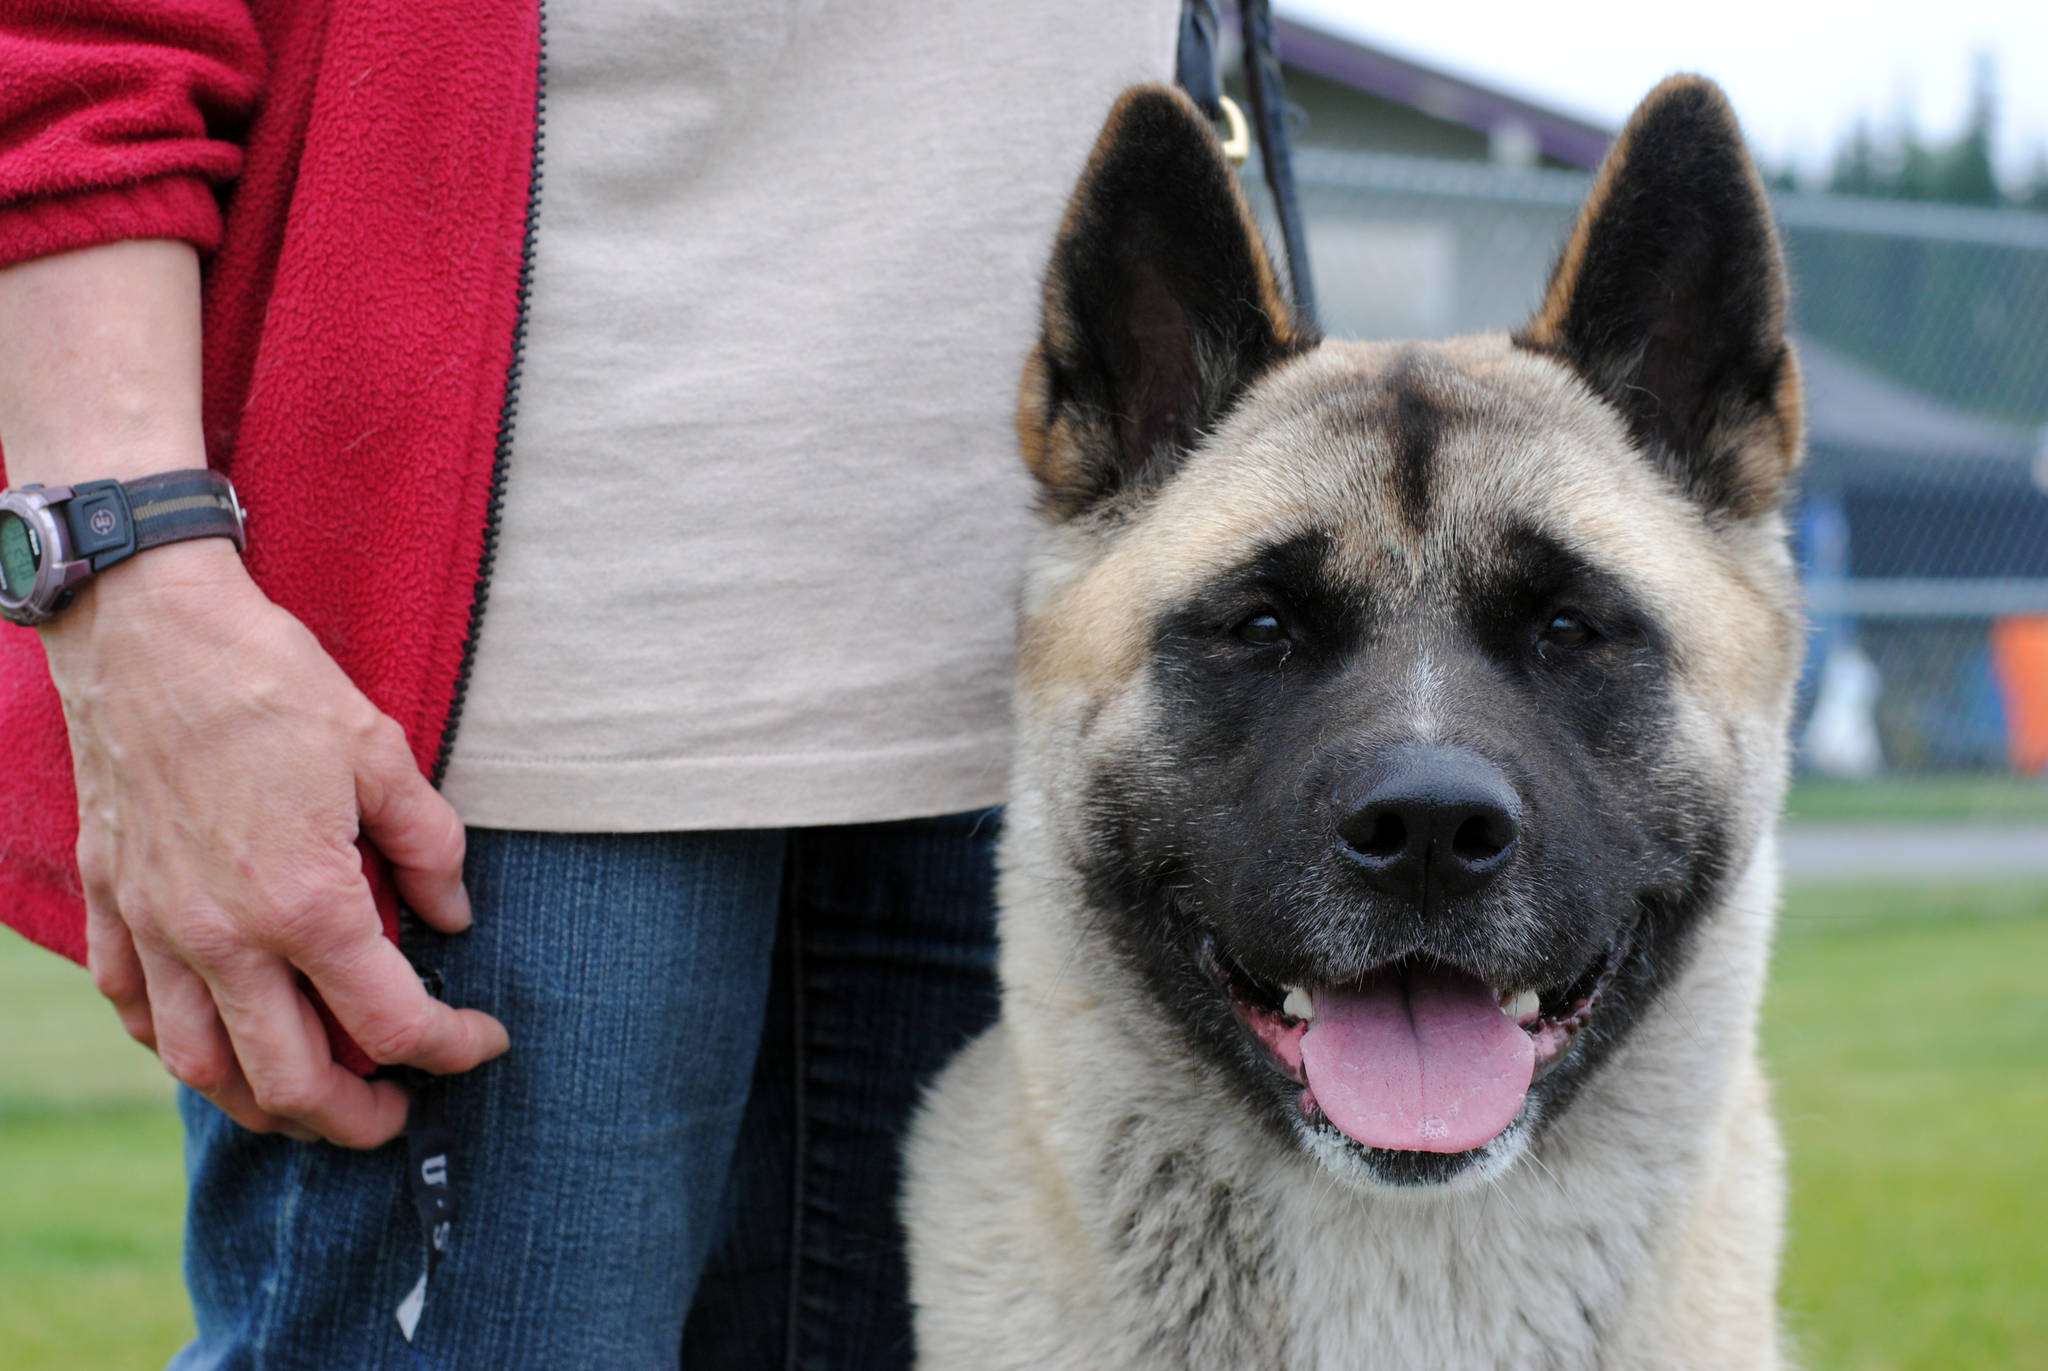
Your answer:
<point x="1081" y="1191"/>
<point x="1082" y="631"/>
<point x="1012" y="1164"/>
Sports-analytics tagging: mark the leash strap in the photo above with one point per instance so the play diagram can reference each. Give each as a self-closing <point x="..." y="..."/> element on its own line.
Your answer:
<point x="1269" y="112"/>
<point x="1198" y="67"/>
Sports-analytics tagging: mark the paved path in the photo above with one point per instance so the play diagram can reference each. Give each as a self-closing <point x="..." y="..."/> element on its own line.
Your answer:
<point x="1945" y="849"/>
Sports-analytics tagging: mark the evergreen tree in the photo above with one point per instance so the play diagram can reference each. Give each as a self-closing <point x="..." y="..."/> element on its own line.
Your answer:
<point x="1902" y="166"/>
<point x="1963" y="174"/>
<point x="1855" y="170"/>
<point x="1919" y="167"/>
<point x="2034" y="194"/>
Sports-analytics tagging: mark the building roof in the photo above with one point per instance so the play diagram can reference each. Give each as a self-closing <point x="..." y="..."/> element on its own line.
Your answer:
<point x="1861" y="422"/>
<point x="1436" y="92"/>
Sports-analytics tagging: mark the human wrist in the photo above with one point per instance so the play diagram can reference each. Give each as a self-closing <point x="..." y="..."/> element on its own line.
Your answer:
<point x="128" y="455"/>
<point x="177" y="592"/>
<point x="55" y="540"/>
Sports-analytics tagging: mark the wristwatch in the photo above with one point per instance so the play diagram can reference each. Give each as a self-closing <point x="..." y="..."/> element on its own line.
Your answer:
<point x="53" y="539"/>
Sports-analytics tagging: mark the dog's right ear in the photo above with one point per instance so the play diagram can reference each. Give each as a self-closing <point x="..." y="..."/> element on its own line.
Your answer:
<point x="1669" y="301"/>
<point x="1160" y="308"/>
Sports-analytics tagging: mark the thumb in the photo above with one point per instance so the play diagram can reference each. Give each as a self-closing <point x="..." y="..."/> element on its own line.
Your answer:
<point x="417" y="830"/>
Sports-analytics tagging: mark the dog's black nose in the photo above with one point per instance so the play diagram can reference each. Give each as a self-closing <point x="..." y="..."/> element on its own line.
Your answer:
<point x="1429" y="818"/>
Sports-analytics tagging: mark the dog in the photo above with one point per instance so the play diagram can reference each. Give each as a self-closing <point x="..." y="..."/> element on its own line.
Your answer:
<point x="1389" y="867"/>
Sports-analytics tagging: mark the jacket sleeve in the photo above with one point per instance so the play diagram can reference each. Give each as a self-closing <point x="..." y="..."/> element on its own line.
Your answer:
<point x="118" y="118"/>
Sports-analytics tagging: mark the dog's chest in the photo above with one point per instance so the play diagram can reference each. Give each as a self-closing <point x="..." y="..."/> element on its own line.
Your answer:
<point x="1467" y="1283"/>
<point x="1193" y="1270"/>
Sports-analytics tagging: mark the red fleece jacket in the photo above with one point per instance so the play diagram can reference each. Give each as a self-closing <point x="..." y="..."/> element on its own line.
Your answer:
<point x="360" y="172"/>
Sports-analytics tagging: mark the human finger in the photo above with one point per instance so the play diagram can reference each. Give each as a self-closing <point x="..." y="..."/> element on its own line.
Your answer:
<point x="415" y="828"/>
<point x="377" y="997"/>
<point x="282" y="1047"/>
<point x="117" y="971"/>
<point x="193" y="1044"/>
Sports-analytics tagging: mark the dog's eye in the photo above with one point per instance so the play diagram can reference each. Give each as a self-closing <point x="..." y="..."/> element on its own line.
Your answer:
<point x="1262" y="629"/>
<point x="1568" y="628"/>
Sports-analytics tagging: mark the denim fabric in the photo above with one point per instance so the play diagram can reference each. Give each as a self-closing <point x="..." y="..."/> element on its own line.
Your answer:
<point x="716" y="1040"/>
<point x="878" y="982"/>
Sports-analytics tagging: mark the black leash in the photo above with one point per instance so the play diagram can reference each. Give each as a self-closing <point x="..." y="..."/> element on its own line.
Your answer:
<point x="1199" y="64"/>
<point x="1269" y="111"/>
<point x="1199" y="73"/>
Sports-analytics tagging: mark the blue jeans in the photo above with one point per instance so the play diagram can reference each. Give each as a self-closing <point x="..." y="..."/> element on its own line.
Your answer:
<point x="689" y="1155"/>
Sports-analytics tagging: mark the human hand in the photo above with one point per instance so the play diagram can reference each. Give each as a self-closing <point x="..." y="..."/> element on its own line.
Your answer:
<point x="225" y="768"/>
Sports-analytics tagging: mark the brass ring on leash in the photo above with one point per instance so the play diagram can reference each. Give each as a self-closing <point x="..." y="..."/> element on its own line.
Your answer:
<point x="1238" y="145"/>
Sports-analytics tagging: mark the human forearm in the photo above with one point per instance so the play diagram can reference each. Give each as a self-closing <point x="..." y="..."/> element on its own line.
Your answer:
<point x="225" y="766"/>
<point x="99" y="363"/>
<point x="99" y="379"/>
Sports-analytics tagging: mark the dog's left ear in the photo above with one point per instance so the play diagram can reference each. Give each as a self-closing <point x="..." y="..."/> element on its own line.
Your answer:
<point x="1160" y="308"/>
<point x="1669" y="300"/>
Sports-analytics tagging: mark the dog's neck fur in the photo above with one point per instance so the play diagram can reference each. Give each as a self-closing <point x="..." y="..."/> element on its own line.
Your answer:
<point x="1209" y="1244"/>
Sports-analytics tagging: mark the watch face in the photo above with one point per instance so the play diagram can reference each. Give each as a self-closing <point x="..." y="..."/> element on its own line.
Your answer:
<point x="19" y="554"/>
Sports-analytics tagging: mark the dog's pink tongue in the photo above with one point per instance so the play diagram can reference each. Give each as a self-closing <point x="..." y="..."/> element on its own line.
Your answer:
<point x="1422" y="1060"/>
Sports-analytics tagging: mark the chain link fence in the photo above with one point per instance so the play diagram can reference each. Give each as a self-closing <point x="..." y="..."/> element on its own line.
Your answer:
<point x="1922" y="519"/>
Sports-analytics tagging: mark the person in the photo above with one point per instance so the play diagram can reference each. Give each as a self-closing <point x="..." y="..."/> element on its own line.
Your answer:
<point x="705" y="395"/>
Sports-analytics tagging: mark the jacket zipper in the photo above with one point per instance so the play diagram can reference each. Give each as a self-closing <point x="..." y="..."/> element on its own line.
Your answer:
<point x="508" y="412"/>
<point x="431" y="1142"/>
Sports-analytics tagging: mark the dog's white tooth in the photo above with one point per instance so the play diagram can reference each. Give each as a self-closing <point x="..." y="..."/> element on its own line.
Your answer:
<point x="1298" y="1004"/>
<point x="1523" y="1005"/>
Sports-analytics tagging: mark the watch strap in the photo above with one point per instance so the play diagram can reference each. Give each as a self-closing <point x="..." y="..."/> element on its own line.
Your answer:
<point x="110" y="521"/>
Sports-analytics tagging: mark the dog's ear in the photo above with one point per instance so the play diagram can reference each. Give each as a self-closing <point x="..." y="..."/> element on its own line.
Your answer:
<point x="1160" y="307"/>
<point x="1669" y="300"/>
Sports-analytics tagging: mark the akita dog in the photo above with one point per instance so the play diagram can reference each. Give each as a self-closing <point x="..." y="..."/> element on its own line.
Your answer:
<point x="1388" y="873"/>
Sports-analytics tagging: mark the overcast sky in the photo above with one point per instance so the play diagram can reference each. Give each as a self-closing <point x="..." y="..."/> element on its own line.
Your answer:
<point x="1799" y="71"/>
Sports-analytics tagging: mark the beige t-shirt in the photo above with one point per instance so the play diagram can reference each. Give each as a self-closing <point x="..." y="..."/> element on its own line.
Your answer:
<point x="765" y="514"/>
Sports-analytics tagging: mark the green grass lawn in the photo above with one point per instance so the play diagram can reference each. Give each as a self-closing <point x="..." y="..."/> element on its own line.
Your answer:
<point x="91" y="1190"/>
<point x="1907" y="1028"/>
<point x="1957" y="796"/>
